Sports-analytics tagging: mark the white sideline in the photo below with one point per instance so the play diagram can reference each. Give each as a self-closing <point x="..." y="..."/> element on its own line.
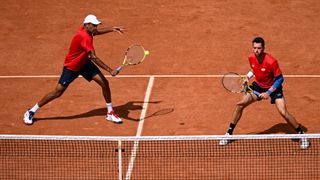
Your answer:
<point x="140" y="126"/>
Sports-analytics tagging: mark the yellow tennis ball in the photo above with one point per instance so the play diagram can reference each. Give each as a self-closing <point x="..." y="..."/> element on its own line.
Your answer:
<point x="146" y="52"/>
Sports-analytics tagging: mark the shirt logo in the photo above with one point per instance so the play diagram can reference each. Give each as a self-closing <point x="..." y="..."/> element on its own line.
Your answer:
<point x="252" y="65"/>
<point x="263" y="69"/>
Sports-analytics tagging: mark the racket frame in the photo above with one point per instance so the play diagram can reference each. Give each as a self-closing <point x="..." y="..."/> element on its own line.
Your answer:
<point x="125" y="60"/>
<point x="246" y="87"/>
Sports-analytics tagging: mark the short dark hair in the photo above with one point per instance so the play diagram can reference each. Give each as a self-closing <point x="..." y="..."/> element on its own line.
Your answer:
<point x="258" y="40"/>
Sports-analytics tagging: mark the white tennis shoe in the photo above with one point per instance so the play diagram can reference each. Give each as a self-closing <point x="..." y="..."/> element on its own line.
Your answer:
<point x="224" y="142"/>
<point x="111" y="116"/>
<point x="304" y="143"/>
<point x="28" y="117"/>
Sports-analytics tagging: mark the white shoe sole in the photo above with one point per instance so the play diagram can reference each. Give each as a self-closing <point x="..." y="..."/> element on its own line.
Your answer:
<point x="304" y="144"/>
<point x="223" y="142"/>
<point x="115" y="121"/>
<point x="26" y="119"/>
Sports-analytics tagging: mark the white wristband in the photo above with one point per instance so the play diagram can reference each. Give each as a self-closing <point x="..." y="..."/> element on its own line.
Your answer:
<point x="250" y="75"/>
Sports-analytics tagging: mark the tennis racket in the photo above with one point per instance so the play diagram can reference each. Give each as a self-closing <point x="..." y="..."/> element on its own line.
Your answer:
<point x="235" y="83"/>
<point x="134" y="55"/>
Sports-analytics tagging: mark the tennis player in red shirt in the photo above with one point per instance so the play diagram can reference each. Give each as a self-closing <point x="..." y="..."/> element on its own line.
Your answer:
<point x="82" y="60"/>
<point x="268" y="82"/>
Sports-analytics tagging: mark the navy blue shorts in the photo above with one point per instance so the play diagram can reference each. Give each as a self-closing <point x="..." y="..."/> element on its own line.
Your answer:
<point x="277" y="94"/>
<point x="88" y="71"/>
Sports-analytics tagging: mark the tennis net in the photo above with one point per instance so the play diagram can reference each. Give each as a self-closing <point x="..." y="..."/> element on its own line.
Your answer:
<point x="159" y="157"/>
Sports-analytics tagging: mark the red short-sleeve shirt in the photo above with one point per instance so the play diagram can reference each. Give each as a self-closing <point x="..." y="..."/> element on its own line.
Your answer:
<point x="81" y="44"/>
<point x="265" y="72"/>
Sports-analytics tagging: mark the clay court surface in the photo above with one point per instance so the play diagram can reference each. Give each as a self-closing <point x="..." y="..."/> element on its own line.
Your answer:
<point x="200" y="40"/>
<point x="192" y="43"/>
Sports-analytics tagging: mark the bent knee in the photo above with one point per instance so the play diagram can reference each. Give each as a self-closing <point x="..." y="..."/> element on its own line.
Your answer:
<point x="240" y="105"/>
<point x="58" y="92"/>
<point x="101" y="80"/>
<point x="105" y="83"/>
<point x="283" y="113"/>
<point x="245" y="101"/>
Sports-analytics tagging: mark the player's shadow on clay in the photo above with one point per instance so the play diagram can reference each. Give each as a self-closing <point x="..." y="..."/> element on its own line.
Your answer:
<point x="281" y="128"/>
<point x="123" y="111"/>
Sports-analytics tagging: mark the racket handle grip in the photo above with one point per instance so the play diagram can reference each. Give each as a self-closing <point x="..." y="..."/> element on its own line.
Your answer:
<point x="119" y="68"/>
<point x="256" y="93"/>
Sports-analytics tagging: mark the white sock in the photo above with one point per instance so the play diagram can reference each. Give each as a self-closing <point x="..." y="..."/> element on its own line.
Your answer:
<point x="35" y="108"/>
<point x="109" y="106"/>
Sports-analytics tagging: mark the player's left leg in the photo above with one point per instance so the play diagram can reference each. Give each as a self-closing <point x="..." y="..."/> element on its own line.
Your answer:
<point x="104" y="84"/>
<point x="91" y="72"/>
<point x="282" y="109"/>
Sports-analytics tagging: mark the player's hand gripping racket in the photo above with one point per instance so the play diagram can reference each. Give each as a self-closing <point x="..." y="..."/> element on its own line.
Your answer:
<point x="134" y="55"/>
<point x="235" y="83"/>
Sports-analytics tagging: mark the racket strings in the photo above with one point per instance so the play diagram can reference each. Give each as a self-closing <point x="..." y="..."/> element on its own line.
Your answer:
<point x="233" y="83"/>
<point x="135" y="54"/>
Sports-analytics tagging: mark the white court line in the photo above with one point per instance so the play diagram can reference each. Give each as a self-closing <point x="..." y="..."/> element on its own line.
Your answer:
<point x="140" y="126"/>
<point x="31" y="76"/>
<point x="157" y="76"/>
<point x="145" y="106"/>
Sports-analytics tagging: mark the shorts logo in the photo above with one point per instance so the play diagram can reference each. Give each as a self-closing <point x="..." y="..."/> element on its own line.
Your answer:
<point x="263" y="69"/>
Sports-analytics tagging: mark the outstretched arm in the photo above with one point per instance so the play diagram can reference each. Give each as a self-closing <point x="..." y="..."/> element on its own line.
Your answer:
<point x="118" y="29"/>
<point x="92" y="55"/>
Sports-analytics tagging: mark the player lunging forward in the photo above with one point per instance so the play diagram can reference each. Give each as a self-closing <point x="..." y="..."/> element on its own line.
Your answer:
<point x="82" y="60"/>
<point x="268" y="82"/>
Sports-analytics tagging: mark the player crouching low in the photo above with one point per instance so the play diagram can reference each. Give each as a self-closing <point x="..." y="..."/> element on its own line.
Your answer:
<point x="268" y="82"/>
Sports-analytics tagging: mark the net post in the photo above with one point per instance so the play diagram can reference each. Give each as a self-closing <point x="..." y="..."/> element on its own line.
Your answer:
<point x="120" y="159"/>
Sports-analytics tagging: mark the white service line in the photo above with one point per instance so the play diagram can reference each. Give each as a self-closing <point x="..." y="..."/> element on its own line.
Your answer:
<point x="140" y="126"/>
<point x="158" y="76"/>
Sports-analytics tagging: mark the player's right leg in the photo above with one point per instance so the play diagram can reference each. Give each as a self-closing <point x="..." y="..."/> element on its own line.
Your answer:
<point x="57" y="92"/>
<point x="245" y="101"/>
<point x="66" y="78"/>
